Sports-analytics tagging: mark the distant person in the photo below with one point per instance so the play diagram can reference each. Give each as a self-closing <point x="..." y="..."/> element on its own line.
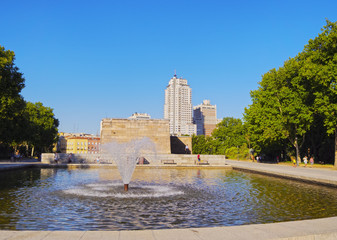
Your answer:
<point x="17" y="155"/>
<point x="305" y="160"/>
<point x="97" y="159"/>
<point x="70" y="158"/>
<point x="198" y="159"/>
<point x="311" y="161"/>
<point x="186" y="149"/>
<point x="56" y="158"/>
<point x="294" y="162"/>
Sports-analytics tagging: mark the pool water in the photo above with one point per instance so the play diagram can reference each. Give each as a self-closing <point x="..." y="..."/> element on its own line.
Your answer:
<point x="94" y="199"/>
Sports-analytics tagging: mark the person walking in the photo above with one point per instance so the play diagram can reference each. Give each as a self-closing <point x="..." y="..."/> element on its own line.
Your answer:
<point x="186" y="149"/>
<point x="70" y="158"/>
<point x="305" y="160"/>
<point x="294" y="162"/>
<point x="56" y="158"/>
<point x="311" y="161"/>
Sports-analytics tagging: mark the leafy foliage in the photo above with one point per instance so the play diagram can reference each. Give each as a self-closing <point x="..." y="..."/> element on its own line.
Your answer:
<point x="298" y="100"/>
<point x="202" y="144"/>
<point x="11" y="102"/>
<point x="319" y="70"/>
<point x="228" y="138"/>
<point x="42" y="127"/>
<point x="279" y="111"/>
<point x="22" y="123"/>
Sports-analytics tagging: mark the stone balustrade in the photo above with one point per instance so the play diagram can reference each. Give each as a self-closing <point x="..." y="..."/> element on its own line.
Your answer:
<point x="152" y="159"/>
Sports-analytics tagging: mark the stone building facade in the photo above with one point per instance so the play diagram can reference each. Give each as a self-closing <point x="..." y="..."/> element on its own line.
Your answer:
<point x="204" y="116"/>
<point x="94" y="145"/>
<point x="125" y="130"/>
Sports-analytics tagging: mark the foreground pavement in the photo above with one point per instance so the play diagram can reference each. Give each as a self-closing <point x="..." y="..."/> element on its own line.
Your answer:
<point x="325" y="228"/>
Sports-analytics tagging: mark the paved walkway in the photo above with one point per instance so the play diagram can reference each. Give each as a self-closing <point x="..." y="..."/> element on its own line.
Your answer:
<point x="325" y="228"/>
<point x="315" y="175"/>
<point x="5" y="166"/>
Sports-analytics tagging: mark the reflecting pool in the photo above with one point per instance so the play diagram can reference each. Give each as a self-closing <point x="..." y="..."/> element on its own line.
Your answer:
<point x="94" y="199"/>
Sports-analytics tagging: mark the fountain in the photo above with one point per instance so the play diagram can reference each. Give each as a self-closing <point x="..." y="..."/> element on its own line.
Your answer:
<point x="91" y="199"/>
<point x="127" y="154"/>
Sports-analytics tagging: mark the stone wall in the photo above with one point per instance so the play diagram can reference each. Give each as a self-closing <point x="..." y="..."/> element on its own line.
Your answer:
<point x="178" y="144"/>
<point x="125" y="130"/>
<point x="76" y="158"/>
<point x="151" y="159"/>
<point x="186" y="159"/>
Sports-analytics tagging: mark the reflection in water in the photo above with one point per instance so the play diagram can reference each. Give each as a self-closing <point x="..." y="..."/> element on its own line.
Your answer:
<point x="58" y="199"/>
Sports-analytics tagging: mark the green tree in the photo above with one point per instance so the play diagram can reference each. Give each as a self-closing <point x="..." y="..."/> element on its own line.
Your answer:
<point x="319" y="69"/>
<point x="41" y="132"/>
<point x="229" y="133"/>
<point x="11" y="102"/>
<point x="279" y="110"/>
<point x="202" y="144"/>
<point x="318" y="142"/>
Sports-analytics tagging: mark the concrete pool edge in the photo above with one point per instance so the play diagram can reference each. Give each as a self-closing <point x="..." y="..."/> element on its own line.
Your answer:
<point x="324" y="228"/>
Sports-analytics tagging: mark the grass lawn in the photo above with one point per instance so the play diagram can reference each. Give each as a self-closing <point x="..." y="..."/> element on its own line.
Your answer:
<point x="308" y="165"/>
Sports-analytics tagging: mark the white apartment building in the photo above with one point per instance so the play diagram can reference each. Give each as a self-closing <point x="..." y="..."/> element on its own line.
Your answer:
<point x="204" y="116"/>
<point x="178" y="107"/>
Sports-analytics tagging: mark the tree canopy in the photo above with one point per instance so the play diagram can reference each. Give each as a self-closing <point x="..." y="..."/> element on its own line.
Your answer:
<point x="42" y="128"/>
<point x="299" y="97"/>
<point x="229" y="133"/>
<point x="11" y="102"/>
<point x="293" y="111"/>
<point x="228" y="139"/>
<point x="21" y="122"/>
<point x="319" y="70"/>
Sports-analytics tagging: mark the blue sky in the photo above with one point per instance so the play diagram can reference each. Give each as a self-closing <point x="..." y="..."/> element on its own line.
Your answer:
<point x="94" y="59"/>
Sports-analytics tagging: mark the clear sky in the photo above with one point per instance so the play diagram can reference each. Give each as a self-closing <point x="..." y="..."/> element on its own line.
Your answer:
<point x="94" y="59"/>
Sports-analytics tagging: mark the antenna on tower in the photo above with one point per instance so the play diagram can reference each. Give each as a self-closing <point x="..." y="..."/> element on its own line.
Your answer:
<point x="175" y="73"/>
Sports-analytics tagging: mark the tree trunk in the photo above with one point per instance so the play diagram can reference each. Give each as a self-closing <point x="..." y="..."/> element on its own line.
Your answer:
<point x="32" y="151"/>
<point x="27" y="148"/>
<point x="335" y="147"/>
<point x="297" y="151"/>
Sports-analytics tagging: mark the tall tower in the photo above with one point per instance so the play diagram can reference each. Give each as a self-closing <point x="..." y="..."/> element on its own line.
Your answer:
<point x="178" y="107"/>
<point x="204" y="116"/>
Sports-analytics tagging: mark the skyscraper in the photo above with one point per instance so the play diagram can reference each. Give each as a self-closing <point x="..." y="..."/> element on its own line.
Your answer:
<point x="178" y="107"/>
<point x="204" y="116"/>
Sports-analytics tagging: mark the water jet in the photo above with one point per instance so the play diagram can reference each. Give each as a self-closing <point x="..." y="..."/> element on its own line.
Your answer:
<point x="126" y="155"/>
